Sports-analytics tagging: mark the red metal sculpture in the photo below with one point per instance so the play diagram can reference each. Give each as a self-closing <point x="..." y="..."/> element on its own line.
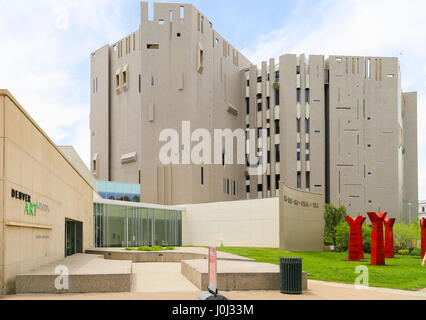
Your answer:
<point x="423" y="225"/>
<point x="361" y="239"/>
<point x="356" y="249"/>
<point x="377" y="239"/>
<point x="389" y="241"/>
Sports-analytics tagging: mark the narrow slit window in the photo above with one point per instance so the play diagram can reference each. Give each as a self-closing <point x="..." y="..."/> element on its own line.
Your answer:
<point x="182" y="12"/>
<point x="277" y="97"/>
<point x="308" y="180"/>
<point x="153" y="46"/>
<point x="277" y="126"/>
<point x="124" y="78"/>
<point x="248" y="105"/>
<point x="299" y="180"/>
<point x="202" y="175"/>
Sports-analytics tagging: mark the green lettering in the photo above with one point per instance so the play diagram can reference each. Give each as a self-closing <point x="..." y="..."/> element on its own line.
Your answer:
<point x="26" y="209"/>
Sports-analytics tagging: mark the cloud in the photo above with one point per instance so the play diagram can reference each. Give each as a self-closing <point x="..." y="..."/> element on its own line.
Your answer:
<point x="45" y="47"/>
<point x="361" y="27"/>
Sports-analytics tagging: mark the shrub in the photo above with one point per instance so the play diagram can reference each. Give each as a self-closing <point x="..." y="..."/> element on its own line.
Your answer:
<point x="404" y="234"/>
<point x="333" y="217"/>
<point x="404" y="252"/>
<point x="416" y="252"/>
<point x="342" y="236"/>
<point x="366" y="238"/>
<point x="155" y="248"/>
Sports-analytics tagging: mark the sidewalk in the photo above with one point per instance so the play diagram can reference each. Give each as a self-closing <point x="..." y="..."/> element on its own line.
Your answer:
<point x="165" y="282"/>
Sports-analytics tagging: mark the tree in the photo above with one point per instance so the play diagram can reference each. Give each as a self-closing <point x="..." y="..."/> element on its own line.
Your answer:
<point x="332" y="216"/>
<point x="404" y="234"/>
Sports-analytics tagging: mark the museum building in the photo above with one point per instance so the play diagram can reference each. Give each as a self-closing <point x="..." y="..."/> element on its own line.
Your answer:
<point x="45" y="202"/>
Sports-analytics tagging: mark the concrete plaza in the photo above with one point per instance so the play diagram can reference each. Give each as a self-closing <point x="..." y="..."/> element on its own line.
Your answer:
<point x="164" y="281"/>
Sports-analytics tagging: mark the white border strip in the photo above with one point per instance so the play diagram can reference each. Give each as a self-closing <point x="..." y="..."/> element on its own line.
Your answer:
<point x="137" y="205"/>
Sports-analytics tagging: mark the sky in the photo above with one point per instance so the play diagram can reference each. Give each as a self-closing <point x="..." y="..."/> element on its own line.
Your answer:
<point x="45" y="47"/>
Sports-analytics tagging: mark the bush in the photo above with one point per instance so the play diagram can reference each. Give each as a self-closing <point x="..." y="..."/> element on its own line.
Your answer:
<point x="416" y="252"/>
<point x="366" y="238"/>
<point x="333" y="217"/>
<point x="155" y="248"/>
<point x="404" y="252"/>
<point x="342" y="237"/>
<point x="404" y="234"/>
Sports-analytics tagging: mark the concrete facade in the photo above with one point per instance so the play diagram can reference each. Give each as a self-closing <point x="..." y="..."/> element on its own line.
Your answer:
<point x="301" y="220"/>
<point x="166" y="85"/>
<point x="253" y="223"/>
<point x="336" y="125"/>
<point x="39" y="190"/>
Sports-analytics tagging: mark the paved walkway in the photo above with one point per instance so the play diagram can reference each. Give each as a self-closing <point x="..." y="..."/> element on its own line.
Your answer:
<point x="159" y="277"/>
<point x="163" y="281"/>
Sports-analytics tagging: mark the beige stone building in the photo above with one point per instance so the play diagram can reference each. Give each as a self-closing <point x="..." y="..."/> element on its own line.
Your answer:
<point x="338" y="126"/>
<point x="45" y="203"/>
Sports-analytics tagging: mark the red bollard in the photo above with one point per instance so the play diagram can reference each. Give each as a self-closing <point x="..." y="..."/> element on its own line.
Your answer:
<point x="389" y="241"/>
<point x="423" y="226"/>
<point x="377" y="239"/>
<point x="356" y="248"/>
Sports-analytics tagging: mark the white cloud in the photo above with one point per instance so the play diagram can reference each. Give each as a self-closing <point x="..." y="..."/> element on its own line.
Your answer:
<point x="45" y="47"/>
<point x="359" y="27"/>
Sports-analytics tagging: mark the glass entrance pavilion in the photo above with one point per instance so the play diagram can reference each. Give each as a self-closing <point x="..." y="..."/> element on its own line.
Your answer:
<point x="119" y="224"/>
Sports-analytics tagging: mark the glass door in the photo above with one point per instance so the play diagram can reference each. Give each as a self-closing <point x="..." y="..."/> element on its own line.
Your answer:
<point x="73" y="237"/>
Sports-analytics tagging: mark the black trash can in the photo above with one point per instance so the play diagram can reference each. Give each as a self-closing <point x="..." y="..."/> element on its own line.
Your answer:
<point x="291" y="275"/>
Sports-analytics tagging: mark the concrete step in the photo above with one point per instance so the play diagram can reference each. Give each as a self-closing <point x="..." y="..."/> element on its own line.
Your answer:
<point x="86" y="274"/>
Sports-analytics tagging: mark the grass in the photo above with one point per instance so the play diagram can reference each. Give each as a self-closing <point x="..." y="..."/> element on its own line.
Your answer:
<point x="403" y="272"/>
<point x="154" y="248"/>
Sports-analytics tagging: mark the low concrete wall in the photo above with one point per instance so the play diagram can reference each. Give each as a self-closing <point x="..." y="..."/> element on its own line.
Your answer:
<point x="249" y="223"/>
<point x="87" y="274"/>
<point x="99" y="283"/>
<point x="237" y="275"/>
<point x="144" y="257"/>
<point x="177" y="255"/>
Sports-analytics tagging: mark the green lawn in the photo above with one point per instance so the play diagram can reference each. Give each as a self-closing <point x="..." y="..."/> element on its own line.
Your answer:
<point x="403" y="272"/>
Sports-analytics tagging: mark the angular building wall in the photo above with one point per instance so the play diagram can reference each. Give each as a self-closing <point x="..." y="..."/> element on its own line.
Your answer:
<point x="410" y="156"/>
<point x="175" y="68"/>
<point x="335" y="127"/>
<point x="40" y="191"/>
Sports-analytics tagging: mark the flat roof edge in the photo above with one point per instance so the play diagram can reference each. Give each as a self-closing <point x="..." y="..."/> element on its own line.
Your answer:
<point x="6" y="93"/>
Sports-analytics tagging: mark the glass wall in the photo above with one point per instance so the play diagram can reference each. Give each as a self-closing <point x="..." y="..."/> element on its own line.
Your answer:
<point x="120" y="226"/>
<point x="119" y="191"/>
